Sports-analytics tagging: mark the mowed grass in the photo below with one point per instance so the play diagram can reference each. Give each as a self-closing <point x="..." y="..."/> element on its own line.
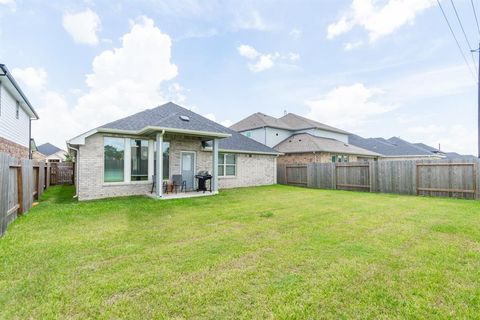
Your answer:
<point x="269" y="252"/>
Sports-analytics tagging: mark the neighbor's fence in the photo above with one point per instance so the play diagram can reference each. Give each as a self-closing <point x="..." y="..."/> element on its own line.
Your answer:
<point x="439" y="178"/>
<point x="62" y="173"/>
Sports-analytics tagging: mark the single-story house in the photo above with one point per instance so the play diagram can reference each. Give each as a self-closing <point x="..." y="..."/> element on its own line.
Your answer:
<point x="52" y="153"/>
<point x="302" y="140"/>
<point x="123" y="157"/>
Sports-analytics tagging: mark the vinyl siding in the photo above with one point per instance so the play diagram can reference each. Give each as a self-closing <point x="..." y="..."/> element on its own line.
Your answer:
<point x="326" y="134"/>
<point x="11" y="128"/>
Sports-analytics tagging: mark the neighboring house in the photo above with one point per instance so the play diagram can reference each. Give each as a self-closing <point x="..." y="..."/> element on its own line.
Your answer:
<point x="395" y="148"/>
<point x="302" y="140"/>
<point x="122" y="157"/>
<point x="447" y="155"/>
<point x="16" y="114"/>
<point x="52" y="153"/>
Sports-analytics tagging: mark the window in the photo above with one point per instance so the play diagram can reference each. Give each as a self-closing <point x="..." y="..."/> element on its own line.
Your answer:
<point x="248" y="134"/>
<point x="166" y="160"/>
<point x="17" y="110"/>
<point x="139" y="159"/>
<point x="227" y="164"/>
<point x="114" y="149"/>
<point x="340" y="158"/>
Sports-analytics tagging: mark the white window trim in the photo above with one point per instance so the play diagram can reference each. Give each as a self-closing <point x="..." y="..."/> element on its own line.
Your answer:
<point x="116" y="183"/>
<point x="224" y="164"/>
<point x="194" y="164"/>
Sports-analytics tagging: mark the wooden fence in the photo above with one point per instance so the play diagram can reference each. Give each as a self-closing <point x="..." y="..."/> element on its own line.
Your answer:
<point x="62" y="173"/>
<point x="440" y="178"/>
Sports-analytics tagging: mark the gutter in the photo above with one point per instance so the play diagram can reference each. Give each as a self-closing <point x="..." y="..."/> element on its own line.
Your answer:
<point x="77" y="156"/>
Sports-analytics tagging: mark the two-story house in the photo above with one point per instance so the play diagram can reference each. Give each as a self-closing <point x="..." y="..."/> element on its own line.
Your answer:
<point x="302" y="140"/>
<point x="16" y="115"/>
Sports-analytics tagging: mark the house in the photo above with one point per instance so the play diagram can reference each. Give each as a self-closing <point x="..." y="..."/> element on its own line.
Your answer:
<point x="395" y="148"/>
<point x="123" y="157"/>
<point x="52" y="153"/>
<point x="446" y="155"/>
<point x="302" y="140"/>
<point x="16" y="115"/>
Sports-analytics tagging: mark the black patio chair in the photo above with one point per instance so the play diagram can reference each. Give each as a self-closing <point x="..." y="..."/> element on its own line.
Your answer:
<point x="178" y="182"/>
<point x="164" y="184"/>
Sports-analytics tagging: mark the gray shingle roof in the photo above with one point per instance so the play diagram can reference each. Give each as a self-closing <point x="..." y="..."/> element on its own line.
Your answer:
<point x="299" y="123"/>
<point x="168" y="116"/>
<point x="290" y="121"/>
<point x="48" y="149"/>
<point x="391" y="147"/>
<point x="305" y="142"/>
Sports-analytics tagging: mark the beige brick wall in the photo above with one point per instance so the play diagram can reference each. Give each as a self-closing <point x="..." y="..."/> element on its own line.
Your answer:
<point x="13" y="149"/>
<point x="302" y="158"/>
<point x="252" y="170"/>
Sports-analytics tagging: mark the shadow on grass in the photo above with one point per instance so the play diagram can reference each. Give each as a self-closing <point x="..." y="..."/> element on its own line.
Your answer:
<point x="59" y="194"/>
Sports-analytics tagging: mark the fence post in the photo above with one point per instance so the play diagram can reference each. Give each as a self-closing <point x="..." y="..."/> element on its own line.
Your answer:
<point x="20" y="190"/>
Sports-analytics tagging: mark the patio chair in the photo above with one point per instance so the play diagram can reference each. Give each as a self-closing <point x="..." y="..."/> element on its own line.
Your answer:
<point x="179" y="182"/>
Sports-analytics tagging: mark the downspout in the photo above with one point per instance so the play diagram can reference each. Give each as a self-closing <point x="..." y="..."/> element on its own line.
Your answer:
<point x="77" y="156"/>
<point x="30" y="139"/>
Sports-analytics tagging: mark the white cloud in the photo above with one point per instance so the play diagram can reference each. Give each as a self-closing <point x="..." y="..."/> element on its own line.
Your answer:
<point x="123" y="81"/>
<point x="263" y="61"/>
<point x="250" y="20"/>
<point x="227" y="123"/>
<point x="295" y="33"/>
<point x="349" y="46"/>
<point x="347" y="106"/>
<point x="7" y="2"/>
<point x="210" y="116"/>
<point x="35" y="78"/>
<point x="452" y="138"/>
<point x="83" y="26"/>
<point x="176" y="93"/>
<point x="377" y="20"/>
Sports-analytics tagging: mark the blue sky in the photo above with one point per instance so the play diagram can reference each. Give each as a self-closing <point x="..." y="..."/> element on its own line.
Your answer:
<point x="376" y="68"/>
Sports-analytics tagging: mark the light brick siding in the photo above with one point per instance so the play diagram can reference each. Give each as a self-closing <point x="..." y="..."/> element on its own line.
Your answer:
<point x="301" y="158"/>
<point x="252" y="170"/>
<point x="13" y="149"/>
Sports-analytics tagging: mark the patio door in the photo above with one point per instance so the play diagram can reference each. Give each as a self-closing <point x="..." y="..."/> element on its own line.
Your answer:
<point x="188" y="168"/>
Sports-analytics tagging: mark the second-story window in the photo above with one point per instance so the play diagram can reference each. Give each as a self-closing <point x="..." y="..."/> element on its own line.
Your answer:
<point x="17" y="110"/>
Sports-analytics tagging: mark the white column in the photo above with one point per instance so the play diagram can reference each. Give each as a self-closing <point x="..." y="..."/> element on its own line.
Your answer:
<point x="215" y="166"/>
<point x="151" y="160"/>
<point x="159" y="175"/>
<point x="127" y="165"/>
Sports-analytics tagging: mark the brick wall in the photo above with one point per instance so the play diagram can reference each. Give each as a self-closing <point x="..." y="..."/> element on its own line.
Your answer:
<point x="13" y="149"/>
<point x="252" y="170"/>
<point x="303" y="158"/>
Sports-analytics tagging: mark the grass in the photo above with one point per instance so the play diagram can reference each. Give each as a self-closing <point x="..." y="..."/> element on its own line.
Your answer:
<point x="268" y="252"/>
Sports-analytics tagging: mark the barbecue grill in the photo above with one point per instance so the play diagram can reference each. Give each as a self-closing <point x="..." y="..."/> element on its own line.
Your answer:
<point x="202" y="178"/>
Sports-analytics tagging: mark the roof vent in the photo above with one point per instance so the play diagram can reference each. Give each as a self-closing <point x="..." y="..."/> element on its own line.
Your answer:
<point x="184" y="118"/>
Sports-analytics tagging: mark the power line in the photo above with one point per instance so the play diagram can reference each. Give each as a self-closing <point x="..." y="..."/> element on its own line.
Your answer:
<point x="475" y="14"/>
<point x="464" y="34"/>
<point x="456" y="41"/>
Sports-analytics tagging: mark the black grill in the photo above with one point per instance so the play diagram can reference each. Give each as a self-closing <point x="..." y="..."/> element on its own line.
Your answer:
<point x="202" y="178"/>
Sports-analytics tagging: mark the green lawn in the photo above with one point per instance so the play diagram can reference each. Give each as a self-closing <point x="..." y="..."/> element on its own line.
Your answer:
<point x="269" y="252"/>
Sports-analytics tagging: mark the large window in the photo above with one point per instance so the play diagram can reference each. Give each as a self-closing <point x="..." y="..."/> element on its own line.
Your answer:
<point x="166" y="160"/>
<point x="227" y="164"/>
<point x="114" y="149"/>
<point x="139" y="159"/>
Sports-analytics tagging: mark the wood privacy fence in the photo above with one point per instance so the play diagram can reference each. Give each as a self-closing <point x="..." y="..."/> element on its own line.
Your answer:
<point x="439" y="178"/>
<point x="23" y="181"/>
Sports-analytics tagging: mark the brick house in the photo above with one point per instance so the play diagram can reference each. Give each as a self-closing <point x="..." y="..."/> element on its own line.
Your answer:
<point x="301" y="140"/>
<point x="16" y="115"/>
<point x="123" y="157"/>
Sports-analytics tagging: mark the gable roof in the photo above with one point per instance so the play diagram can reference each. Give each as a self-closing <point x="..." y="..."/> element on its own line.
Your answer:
<point x="426" y="147"/>
<point x="17" y="92"/>
<point x="393" y="147"/>
<point x="259" y="120"/>
<point x="48" y="149"/>
<point x="168" y="117"/>
<point x="290" y="121"/>
<point x="299" y="123"/>
<point x="305" y="142"/>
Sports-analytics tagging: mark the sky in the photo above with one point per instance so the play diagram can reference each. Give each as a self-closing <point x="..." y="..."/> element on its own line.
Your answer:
<point x="375" y="68"/>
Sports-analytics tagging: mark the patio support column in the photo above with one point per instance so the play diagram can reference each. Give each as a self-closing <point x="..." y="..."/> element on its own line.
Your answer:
<point x="159" y="165"/>
<point x="215" y="166"/>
